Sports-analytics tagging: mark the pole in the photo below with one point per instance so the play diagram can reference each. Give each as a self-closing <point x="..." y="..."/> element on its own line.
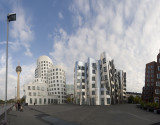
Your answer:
<point x="6" y="75"/>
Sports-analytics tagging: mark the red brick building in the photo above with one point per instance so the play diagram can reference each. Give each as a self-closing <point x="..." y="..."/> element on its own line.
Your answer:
<point x="151" y="90"/>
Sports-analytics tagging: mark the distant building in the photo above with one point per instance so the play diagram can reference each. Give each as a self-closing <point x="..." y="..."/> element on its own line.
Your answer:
<point x="69" y="89"/>
<point x="134" y="94"/>
<point x="98" y="82"/>
<point x="151" y="90"/>
<point x="49" y="85"/>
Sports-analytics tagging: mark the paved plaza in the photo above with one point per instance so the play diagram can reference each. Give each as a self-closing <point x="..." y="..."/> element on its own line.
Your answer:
<point x="126" y="114"/>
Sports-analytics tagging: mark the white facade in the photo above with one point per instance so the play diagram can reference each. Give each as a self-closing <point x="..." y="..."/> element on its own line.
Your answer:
<point x="57" y="83"/>
<point x="49" y="84"/>
<point x="36" y="92"/>
<point x="97" y="82"/>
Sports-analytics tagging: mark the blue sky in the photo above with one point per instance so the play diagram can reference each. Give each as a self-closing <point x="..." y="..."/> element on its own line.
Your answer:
<point x="71" y="30"/>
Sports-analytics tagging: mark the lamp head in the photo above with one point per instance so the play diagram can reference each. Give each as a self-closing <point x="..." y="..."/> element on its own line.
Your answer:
<point x="11" y="17"/>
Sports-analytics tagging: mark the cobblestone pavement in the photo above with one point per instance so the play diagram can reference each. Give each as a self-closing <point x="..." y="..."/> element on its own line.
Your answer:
<point x="126" y="114"/>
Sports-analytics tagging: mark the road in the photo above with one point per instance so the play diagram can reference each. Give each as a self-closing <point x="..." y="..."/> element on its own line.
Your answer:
<point x="126" y="114"/>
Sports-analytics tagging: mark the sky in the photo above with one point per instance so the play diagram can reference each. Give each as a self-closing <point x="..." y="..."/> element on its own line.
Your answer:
<point x="72" y="30"/>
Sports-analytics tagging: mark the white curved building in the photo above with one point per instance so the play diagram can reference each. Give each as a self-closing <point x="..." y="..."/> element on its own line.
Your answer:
<point x="49" y="84"/>
<point x="57" y="82"/>
<point x="43" y="64"/>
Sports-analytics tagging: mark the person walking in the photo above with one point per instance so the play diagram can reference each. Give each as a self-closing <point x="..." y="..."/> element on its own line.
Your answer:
<point x="19" y="106"/>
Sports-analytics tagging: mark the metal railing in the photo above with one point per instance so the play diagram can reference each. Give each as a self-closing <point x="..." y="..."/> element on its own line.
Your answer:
<point x="2" y="112"/>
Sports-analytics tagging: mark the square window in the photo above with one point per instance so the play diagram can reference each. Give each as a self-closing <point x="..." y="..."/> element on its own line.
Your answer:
<point x="93" y="92"/>
<point x="93" y="86"/>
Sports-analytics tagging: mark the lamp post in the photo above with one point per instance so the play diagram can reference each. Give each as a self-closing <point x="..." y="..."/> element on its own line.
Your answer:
<point x="10" y="17"/>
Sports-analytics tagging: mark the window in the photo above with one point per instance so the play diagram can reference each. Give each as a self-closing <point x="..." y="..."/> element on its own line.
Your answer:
<point x="93" y="71"/>
<point x="83" y="93"/>
<point x="82" y="67"/>
<point x="102" y="86"/>
<point x="102" y="101"/>
<point x="158" y="83"/>
<point x="29" y="88"/>
<point x="56" y="69"/>
<point x="104" y="60"/>
<point x="106" y="78"/>
<point x="40" y="101"/>
<point x="83" y="86"/>
<point x="108" y="101"/>
<point x="157" y="91"/>
<point x="33" y="87"/>
<point x="83" y="74"/>
<point x="93" y="85"/>
<point x="94" y="65"/>
<point x="158" y="68"/>
<point x="93" y="78"/>
<point x="148" y="80"/>
<point x="102" y="92"/>
<point x="156" y="99"/>
<point x="83" y="80"/>
<point x="158" y="76"/>
<point x="107" y="92"/>
<point x="30" y="100"/>
<point x="78" y="80"/>
<point x="44" y="100"/>
<point x="152" y="67"/>
<point x="105" y="69"/>
<point x="93" y="92"/>
<point x="34" y="94"/>
<point x="35" y="101"/>
<point x="30" y="93"/>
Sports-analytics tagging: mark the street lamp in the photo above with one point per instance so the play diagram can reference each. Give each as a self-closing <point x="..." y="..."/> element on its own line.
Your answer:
<point x="10" y="17"/>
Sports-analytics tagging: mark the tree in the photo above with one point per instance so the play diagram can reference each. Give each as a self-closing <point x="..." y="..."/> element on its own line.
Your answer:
<point x="130" y="99"/>
<point x="22" y="99"/>
<point x="137" y="99"/>
<point x="1" y="101"/>
<point x="68" y="99"/>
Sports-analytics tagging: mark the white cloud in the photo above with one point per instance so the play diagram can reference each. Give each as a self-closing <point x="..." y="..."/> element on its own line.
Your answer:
<point x="60" y="15"/>
<point x="127" y="30"/>
<point x="21" y="30"/>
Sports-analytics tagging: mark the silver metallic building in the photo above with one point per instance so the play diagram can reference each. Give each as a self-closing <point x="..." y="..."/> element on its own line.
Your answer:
<point x="98" y="82"/>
